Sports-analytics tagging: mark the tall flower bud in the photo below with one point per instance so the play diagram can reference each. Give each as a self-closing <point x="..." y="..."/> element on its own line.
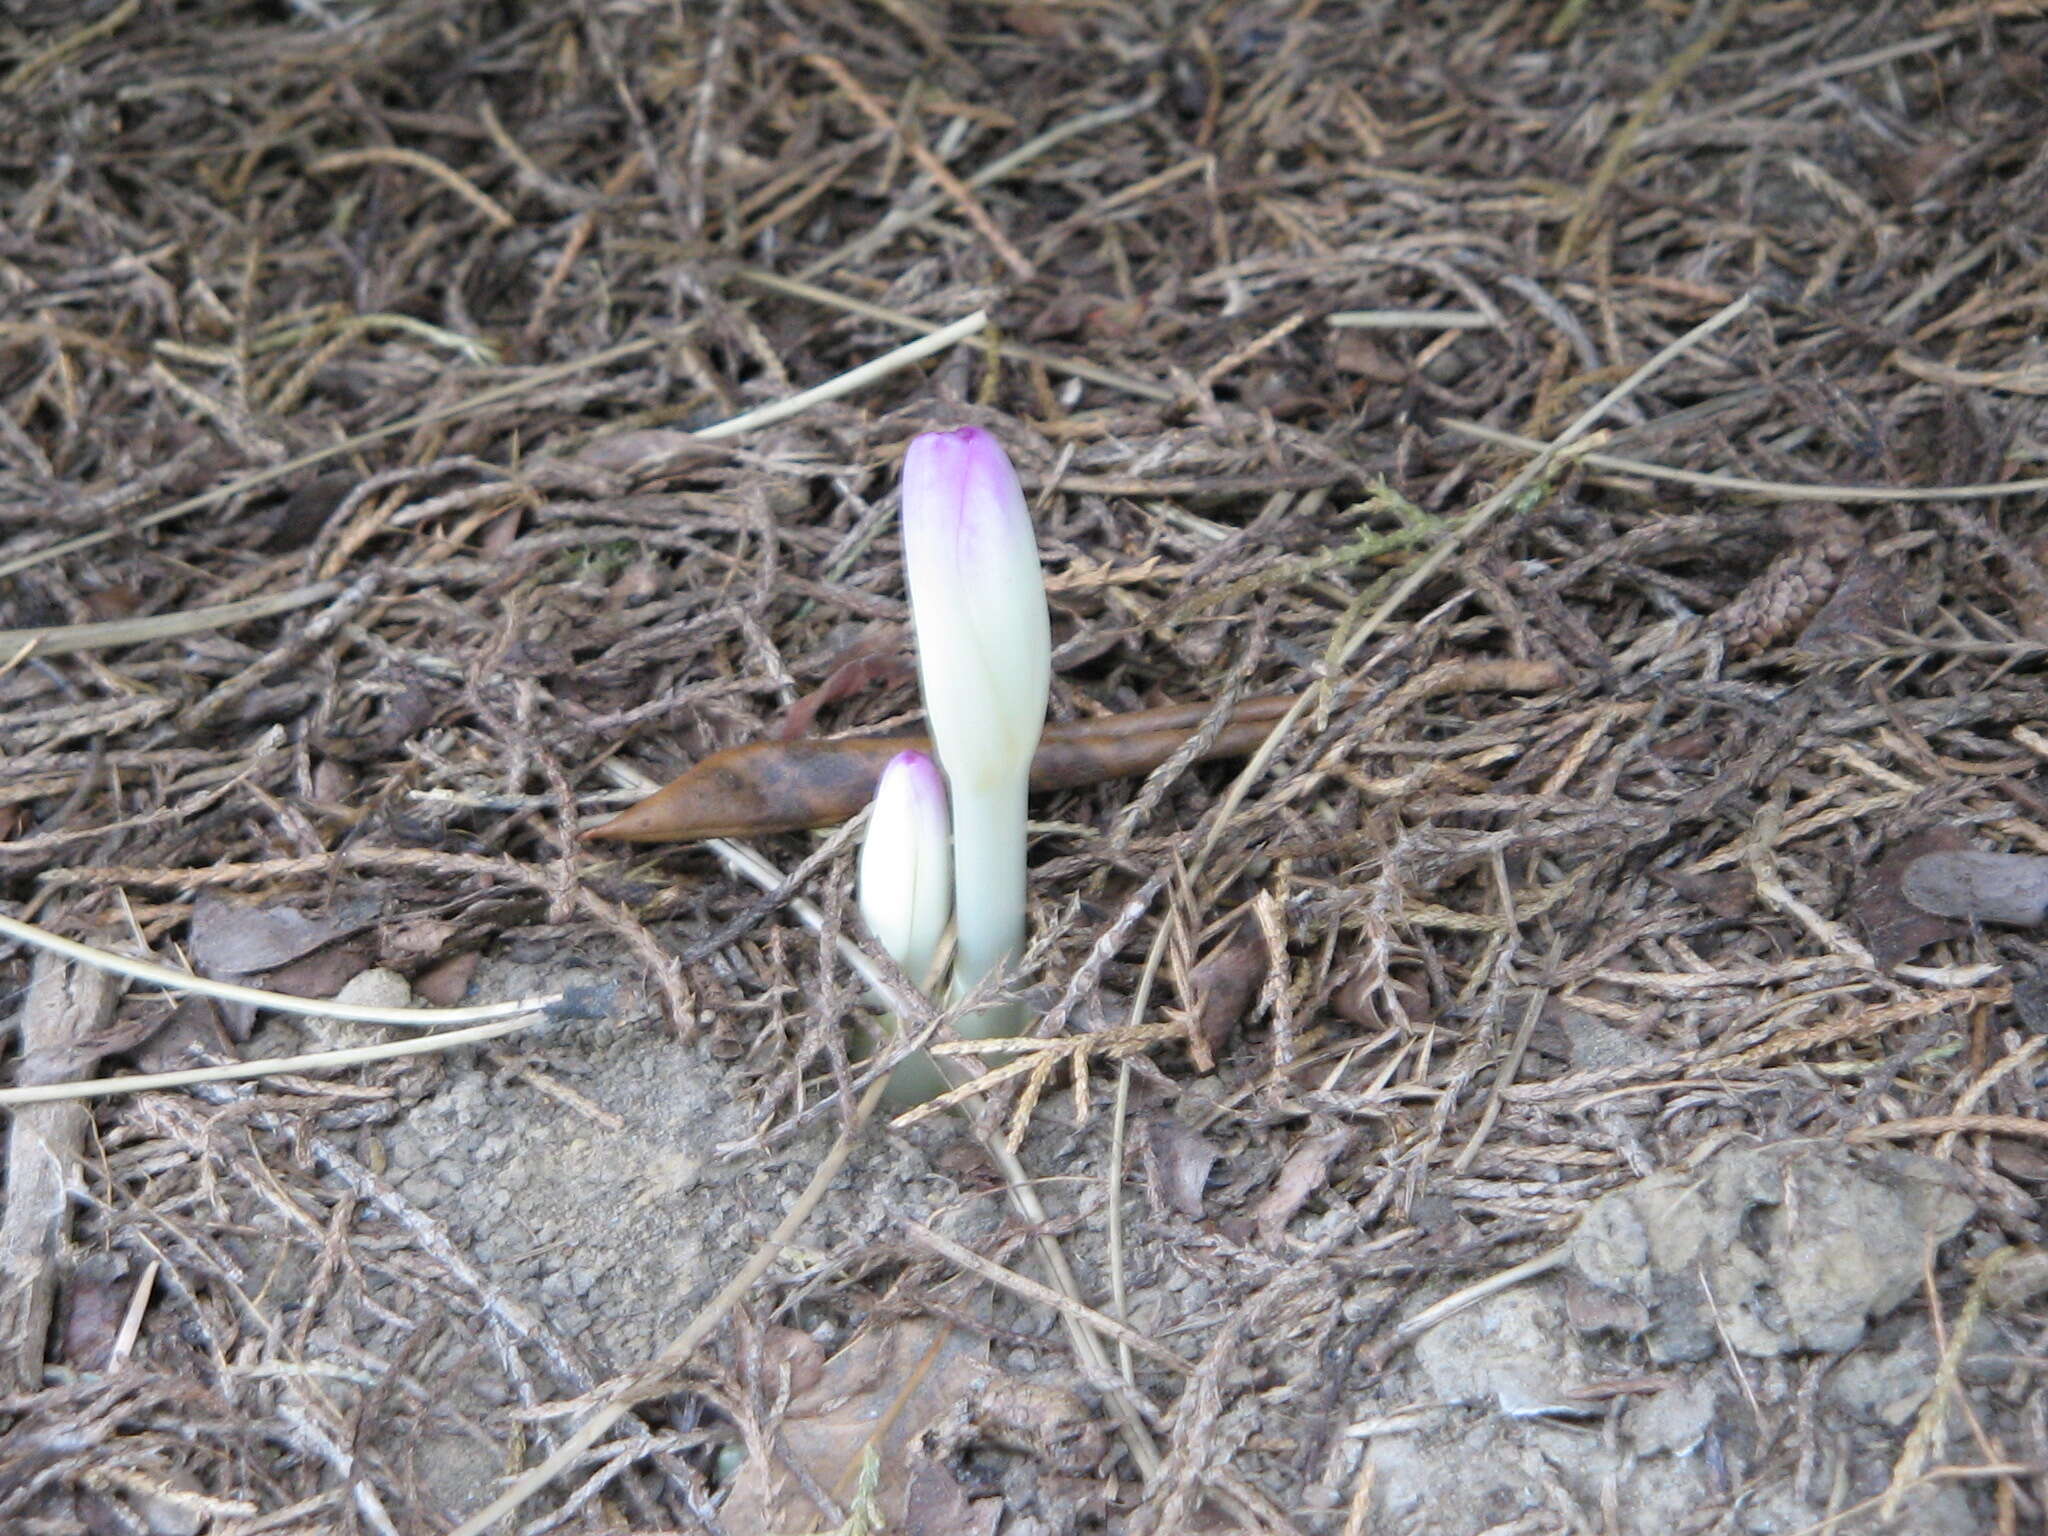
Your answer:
<point x="984" y="661"/>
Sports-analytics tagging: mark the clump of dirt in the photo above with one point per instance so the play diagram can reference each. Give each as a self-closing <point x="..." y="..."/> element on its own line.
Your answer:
<point x="1505" y="1353"/>
<point x="1455" y="1474"/>
<point x="1543" y="1404"/>
<point x="1771" y="1249"/>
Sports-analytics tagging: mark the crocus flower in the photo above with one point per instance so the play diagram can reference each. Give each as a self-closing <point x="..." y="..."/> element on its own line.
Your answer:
<point x="984" y="660"/>
<point x="906" y="890"/>
<point x="906" y="863"/>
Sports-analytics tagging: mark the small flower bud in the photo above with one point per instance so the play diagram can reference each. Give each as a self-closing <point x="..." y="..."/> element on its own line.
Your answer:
<point x="906" y="863"/>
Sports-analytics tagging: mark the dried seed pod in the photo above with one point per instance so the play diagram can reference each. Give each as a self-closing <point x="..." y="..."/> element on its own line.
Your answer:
<point x="1983" y="887"/>
<point x="1796" y="585"/>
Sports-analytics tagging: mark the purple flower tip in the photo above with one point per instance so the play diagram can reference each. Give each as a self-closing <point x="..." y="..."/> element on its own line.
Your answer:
<point x="977" y="599"/>
<point x="963" y="507"/>
<point x="912" y="784"/>
<point x="919" y="770"/>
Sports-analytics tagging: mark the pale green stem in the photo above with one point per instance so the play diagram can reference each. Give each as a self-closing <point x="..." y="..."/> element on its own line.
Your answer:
<point x="917" y="1078"/>
<point x="988" y="893"/>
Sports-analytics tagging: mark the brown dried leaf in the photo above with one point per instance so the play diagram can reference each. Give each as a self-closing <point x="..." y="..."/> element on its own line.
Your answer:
<point x="1306" y="1170"/>
<point x="884" y="1390"/>
<point x="445" y="984"/>
<point x="1225" y="983"/>
<point x="289" y="950"/>
<point x="1177" y="1163"/>
<point x="785" y="786"/>
<point x="1895" y="929"/>
<point x="322" y="973"/>
<point x="878" y="659"/>
<point x="229" y="940"/>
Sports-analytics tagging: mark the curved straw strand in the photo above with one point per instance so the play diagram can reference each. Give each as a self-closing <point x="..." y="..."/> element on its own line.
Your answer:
<point x="278" y="1002"/>
<point x="269" y="1066"/>
<point x="1784" y="490"/>
<point x="65" y="639"/>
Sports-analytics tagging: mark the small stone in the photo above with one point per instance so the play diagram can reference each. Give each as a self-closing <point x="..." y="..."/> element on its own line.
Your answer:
<point x="1593" y="1309"/>
<point x="1515" y="1349"/>
<point x="374" y="988"/>
<point x="1594" y="1045"/>
<point x="1672" y="1421"/>
<point x="1886" y="1386"/>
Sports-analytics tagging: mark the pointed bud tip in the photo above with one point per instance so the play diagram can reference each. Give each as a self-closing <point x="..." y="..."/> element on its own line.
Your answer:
<point x="954" y="441"/>
<point x="964" y="517"/>
<point x="911" y="785"/>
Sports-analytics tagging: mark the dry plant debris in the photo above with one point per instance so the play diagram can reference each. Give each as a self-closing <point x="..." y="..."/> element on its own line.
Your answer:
<point x="362" y="542"/>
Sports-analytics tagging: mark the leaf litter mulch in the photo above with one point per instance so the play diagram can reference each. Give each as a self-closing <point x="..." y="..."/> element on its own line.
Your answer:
<point x="1535" y="1092"/>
